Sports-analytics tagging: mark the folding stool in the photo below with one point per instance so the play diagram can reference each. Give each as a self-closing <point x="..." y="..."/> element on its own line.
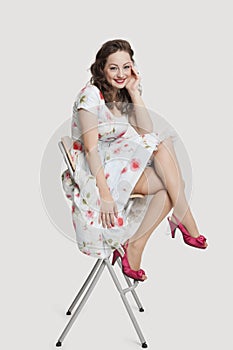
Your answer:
<point x="98" y="269"/>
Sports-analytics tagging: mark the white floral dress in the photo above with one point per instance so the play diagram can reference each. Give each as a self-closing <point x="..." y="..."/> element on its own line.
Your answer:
<point x="123" y="158"/>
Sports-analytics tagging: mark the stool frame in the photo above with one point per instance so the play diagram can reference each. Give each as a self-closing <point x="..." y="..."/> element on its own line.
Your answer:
<point x="97" y="270"/>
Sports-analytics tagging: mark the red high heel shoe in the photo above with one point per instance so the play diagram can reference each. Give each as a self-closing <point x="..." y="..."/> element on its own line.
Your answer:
<point x="198" y="242"/>
<point x="126" y="269"/>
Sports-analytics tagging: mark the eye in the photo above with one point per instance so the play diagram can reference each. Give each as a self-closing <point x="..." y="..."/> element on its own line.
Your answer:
<point x="113" y="68"/>
<point x="127" y="67"/>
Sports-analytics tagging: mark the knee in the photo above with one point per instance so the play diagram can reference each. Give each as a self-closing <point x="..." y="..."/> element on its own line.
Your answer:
<point x="164" y="150"/>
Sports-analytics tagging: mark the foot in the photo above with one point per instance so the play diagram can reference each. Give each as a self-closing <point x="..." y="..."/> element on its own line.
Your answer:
<point x="186" y="223"/>
<point x="134" y="254"/>
<point x="194" y="233"/>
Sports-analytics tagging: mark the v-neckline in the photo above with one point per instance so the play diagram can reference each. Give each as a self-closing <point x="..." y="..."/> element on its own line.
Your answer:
<point x="116" y="116"/>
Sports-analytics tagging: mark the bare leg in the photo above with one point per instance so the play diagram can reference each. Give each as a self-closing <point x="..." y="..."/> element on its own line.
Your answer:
<point x="167" y="167"/>
<point x="167" y="185"/>
<point x="159" y="207"/>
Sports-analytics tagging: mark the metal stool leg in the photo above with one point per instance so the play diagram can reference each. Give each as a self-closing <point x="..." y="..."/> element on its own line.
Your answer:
<point x="80" y="293"/>
<point x="82" y="303"/>
<point x="134" y="294"/>
<point x="126" y="303"/>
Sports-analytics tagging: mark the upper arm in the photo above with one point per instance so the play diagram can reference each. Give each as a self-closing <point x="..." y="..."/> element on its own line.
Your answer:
<point x="87" y="104"/>
<point x="89" y="99"/>
<point x="132" y="121"/>
<point x="144" y="124"/>
<point x="89" y="128"/>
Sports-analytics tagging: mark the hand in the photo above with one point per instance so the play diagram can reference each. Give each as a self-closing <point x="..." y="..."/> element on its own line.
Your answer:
<point x="133" y="82"/>
<point x="108" y="210"/>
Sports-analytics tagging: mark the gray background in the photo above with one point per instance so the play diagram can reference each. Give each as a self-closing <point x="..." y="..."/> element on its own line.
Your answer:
<point x="184" y="53"/>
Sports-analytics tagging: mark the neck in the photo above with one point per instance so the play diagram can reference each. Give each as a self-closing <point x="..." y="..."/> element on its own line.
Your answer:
<point x="115" y="95"/>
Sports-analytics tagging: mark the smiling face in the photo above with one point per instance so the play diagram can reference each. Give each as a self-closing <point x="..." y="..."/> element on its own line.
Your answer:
<point x="117" y="69"/>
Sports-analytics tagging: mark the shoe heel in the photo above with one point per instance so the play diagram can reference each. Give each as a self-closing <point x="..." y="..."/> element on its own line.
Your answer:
<point x="173" y="227"/>
<point x="116" y="255"/>
<point x="198" y="242"/>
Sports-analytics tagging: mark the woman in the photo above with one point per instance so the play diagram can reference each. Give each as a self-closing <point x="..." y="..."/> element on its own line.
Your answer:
<point x="111" y="165"/>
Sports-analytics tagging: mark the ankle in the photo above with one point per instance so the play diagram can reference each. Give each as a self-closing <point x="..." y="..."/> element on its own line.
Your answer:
<point x="187" y="221"/>
<point x="136" y="246"/>
<point x="134" y="254"/>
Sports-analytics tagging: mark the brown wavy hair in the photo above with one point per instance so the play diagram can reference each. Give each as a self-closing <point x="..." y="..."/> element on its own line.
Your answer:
<point x="98" y="76"/>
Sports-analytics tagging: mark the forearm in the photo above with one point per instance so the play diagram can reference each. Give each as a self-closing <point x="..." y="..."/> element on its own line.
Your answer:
<point x="143" y="120"/>
<point x="97" y="171"/>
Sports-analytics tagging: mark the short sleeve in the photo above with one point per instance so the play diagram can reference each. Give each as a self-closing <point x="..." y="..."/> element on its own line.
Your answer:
<point x="89" y="98"/>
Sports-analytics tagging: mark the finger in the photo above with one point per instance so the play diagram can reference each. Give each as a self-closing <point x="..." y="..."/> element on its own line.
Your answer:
<point x="133" y="69"/>
<point x="108" y="221"/>
<point x="115" y="211"/>
<point x="135" y="72"/>
<point x="103" y="220"/>
<point x="112" y="219"/>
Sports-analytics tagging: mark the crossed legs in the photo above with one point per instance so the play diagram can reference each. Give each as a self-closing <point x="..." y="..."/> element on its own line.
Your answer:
<point x="163" y="181"/>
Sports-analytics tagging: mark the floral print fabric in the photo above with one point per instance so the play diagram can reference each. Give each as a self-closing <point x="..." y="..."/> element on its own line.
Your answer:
<point x="123" y="158"/>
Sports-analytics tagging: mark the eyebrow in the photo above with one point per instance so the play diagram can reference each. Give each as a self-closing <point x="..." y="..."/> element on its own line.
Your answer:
<point x="114" y="64"/>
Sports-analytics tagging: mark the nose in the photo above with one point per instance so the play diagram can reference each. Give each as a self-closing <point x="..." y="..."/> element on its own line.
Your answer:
<point x="120" y="73"/>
